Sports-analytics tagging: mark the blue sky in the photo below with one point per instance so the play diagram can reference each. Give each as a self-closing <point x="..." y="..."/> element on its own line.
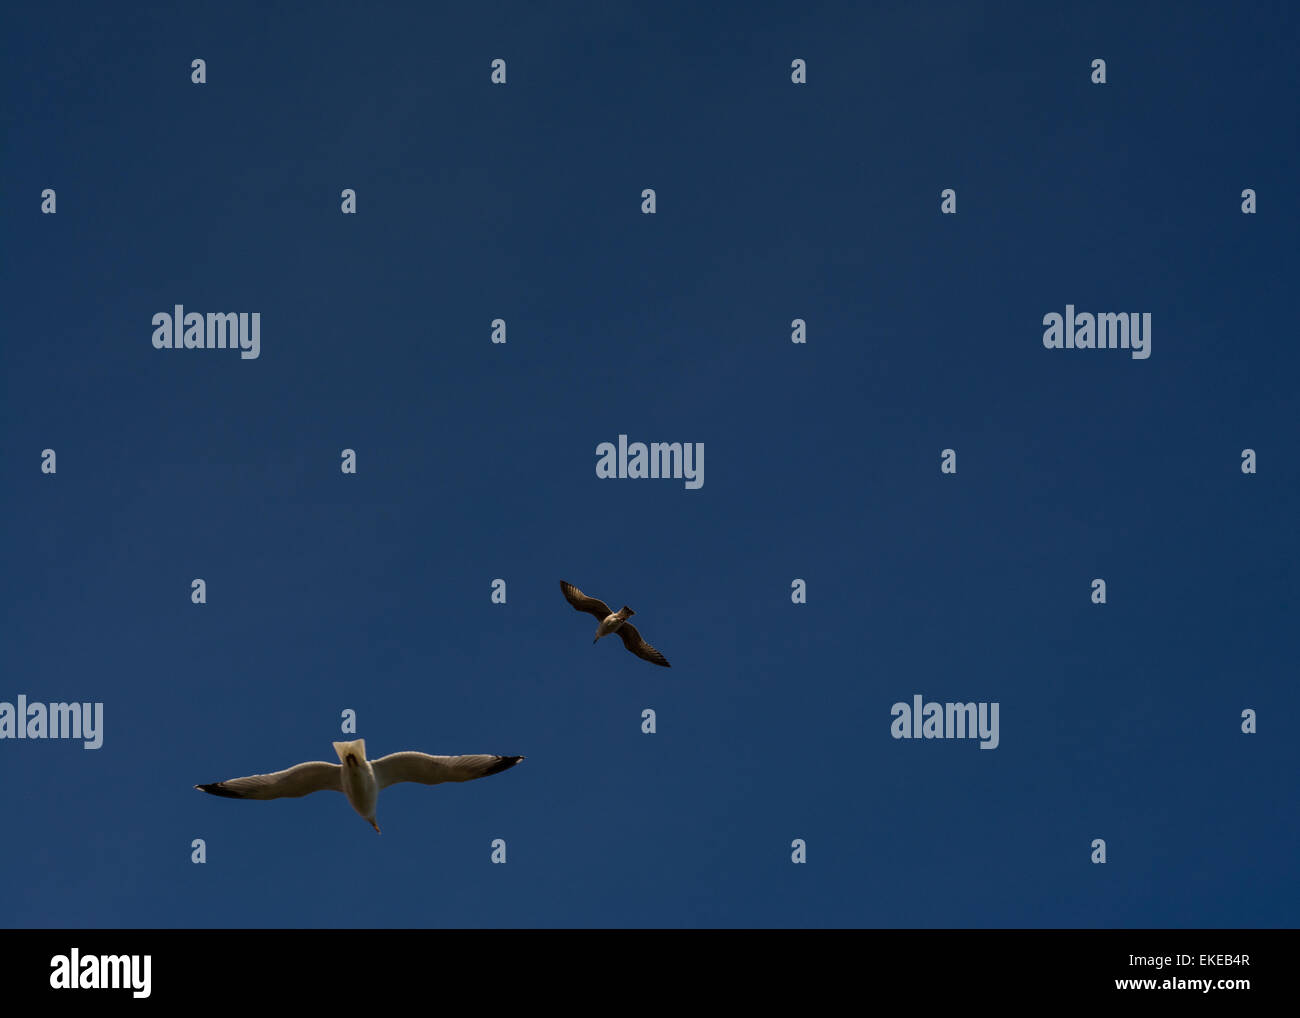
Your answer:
<point x="476" y="461"/>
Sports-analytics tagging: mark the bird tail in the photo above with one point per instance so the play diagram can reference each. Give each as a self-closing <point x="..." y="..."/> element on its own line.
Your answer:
<point x="627" y="612"/>
<point x="357" y="748"/>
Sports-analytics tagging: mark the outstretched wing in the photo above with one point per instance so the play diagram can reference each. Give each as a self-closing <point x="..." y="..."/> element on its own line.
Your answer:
<point x="317" y="776"/>
<point x="434" y="770"/>
<point x="583" y="603"/>
<point x="633" y="642"/>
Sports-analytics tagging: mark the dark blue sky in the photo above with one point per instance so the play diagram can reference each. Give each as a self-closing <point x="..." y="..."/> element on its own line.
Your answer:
<point x="477" y="461"/>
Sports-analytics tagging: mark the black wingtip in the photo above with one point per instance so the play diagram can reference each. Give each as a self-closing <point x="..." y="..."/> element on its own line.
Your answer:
<point x="218" y="788"/>
<point x="503" y="764"/>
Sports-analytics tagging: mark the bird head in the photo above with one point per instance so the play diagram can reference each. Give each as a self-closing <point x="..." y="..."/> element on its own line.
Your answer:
<point x="351" y="754"/>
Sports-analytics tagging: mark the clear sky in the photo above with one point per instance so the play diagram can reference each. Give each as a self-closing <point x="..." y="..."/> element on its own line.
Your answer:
<point x="371" y="592"/>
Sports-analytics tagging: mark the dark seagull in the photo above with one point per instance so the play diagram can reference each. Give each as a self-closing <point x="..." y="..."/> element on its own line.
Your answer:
<point x="613" y="622"/>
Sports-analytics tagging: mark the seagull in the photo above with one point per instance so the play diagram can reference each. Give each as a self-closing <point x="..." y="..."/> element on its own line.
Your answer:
<point x="613" y="622"/>
<point x="361" y="780"/>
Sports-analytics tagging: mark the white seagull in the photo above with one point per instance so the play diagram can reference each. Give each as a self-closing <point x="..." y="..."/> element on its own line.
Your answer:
<point x="613" y="622"/>
<point x="361" y="780"/>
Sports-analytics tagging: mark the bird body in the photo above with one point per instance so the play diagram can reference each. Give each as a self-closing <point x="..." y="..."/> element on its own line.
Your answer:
<point x="613" y="622"/>
<point x="359" y="779"/>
